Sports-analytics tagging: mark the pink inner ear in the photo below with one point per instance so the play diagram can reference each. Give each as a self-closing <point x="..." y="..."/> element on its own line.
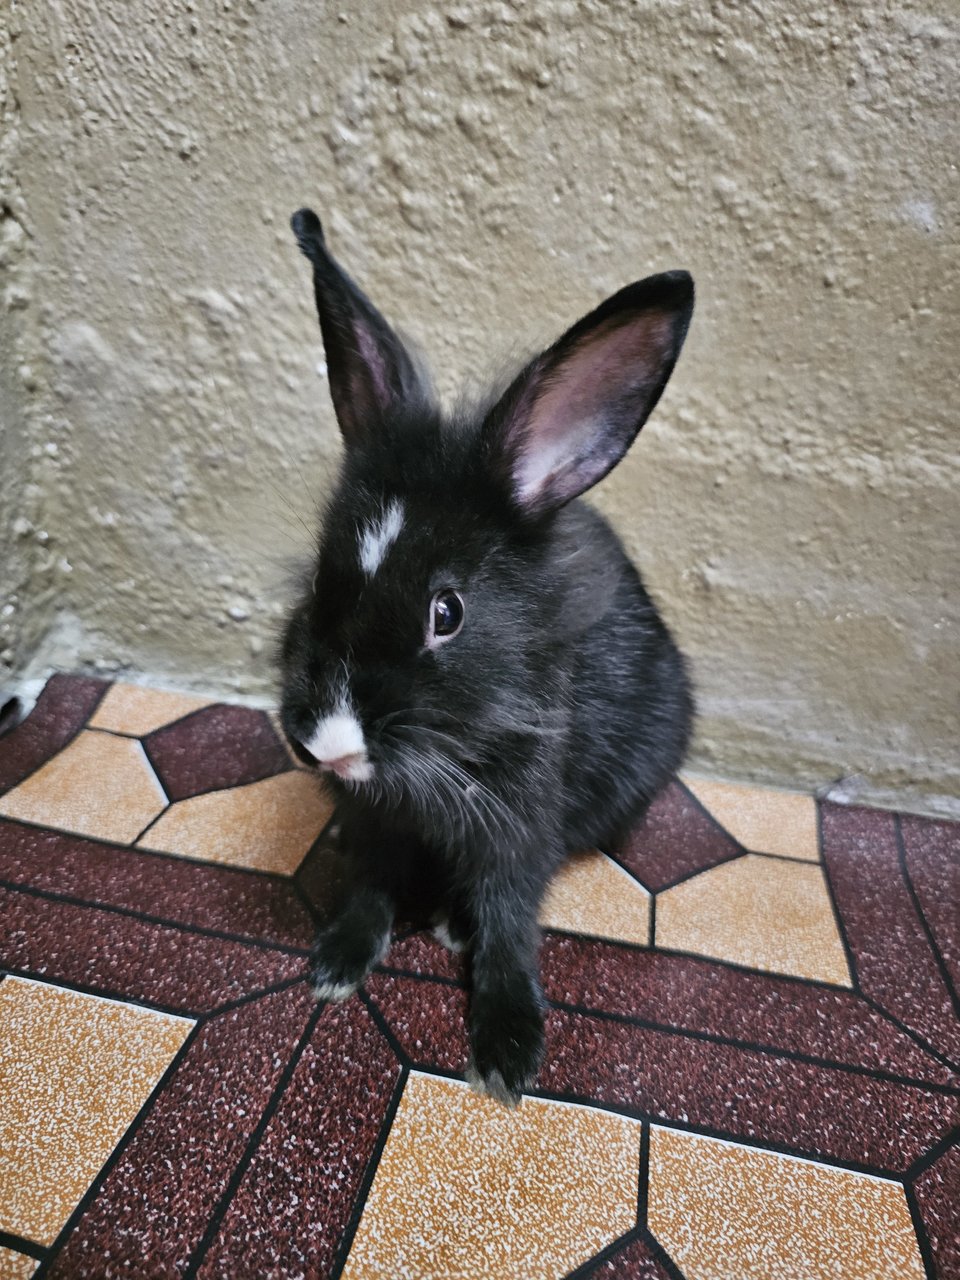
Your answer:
<point x="369" y="353"/>
<point x="592" y="403"/>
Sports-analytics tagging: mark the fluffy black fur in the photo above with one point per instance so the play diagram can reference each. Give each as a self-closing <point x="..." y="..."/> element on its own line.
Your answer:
<point x="553" y="718"/>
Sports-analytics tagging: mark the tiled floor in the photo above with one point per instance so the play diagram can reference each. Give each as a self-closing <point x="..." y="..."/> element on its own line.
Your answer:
<point x="753" y="1064"/>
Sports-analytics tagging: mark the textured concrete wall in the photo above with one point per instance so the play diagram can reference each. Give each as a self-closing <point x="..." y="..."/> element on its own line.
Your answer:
<point x="490" y="171"/>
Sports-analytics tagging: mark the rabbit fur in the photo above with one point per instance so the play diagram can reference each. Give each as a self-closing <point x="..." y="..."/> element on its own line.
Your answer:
<point x="472" y="662"/>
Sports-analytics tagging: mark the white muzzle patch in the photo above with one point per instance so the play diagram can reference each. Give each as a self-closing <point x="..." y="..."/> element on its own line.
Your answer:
<point x="337" y="744"/>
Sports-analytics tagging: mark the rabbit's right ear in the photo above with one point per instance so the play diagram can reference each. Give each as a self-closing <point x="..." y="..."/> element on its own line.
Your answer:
<point x="371" y="375"/>
<point x="572" y="413"/>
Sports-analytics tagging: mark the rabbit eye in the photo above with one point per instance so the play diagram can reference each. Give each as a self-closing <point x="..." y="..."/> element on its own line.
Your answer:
<point x="446" y="615"/>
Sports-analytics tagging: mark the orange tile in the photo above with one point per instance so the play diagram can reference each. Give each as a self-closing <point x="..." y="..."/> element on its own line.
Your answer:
<point x="466" y="1188"/>
<point x="16" y="1266"/>
<point x="97" y="786"/>
<point x="75" y="1071"/>
<point x="722" y="1210"/>
<point x="761" y="912"/>
<point x="592" y="894"/>
<point x="130" y="708"/>
<point x="762" y="819"/>
<point x="268" y="825"/>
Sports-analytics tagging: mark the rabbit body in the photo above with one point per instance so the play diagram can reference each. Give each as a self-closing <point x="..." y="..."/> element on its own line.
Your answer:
<point x="474" y="662"/>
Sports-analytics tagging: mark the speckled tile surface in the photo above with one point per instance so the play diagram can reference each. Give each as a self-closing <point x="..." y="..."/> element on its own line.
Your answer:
<point x="753" y="1061"/>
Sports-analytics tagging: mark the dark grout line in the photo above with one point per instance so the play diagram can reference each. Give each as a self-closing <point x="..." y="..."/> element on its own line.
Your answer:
<point x="587" y="1270"/>
<point x="114" y="1157"/>
<point x="750" y="1046"/>
<point x="948" y="1140"/>
<point x="106" y="993"/>
<point x="920" y="1231"/>
<point x="834" y="905"/>
<point x="249" y="1151"/>
<point x="915" y="1036"/>
<point x="223" y="935"/>
<point x="924" y="922"/>
<point x="353" y="1222"/>
<point x="20" y="1244"/>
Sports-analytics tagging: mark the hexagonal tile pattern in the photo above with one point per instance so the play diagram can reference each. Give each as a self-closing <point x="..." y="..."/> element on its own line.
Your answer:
<point x="722" y="1210"/>
<point x="762" y="819"/>
<point x="765" y="913"/>
<point x="136" y="710"/>
<point x="268" y="825"/>
<point x="98" y="786"/>
<point x="74" y="1072"/>
<point x="467" y="1188"/>
<point x="591" y="894"/>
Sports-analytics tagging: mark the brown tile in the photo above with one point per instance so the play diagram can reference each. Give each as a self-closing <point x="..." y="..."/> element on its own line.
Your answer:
<point x="118" y="955"/>
<point x="268" y="825"/>
<point x="61" y="710"/>
<point x="707" y="998"/>
<point x="762" y="819"/>
<point x="724" y="1210"/>
<point x="16" y="1266"/>
<point x="298" y="1193"/>
<point x="591" y="894"/>
<point x="896" y="964"/>
<point x="97" y="786"/>
<point x="937" y="1192"/>
<point x="932" y="854"/>
<point x="221" y="746"/>
<point x="150" y="1212"/>
<point x="764" y="913"/>
<point x="465" y="1187"/>
<point x="230" y="899"/>
<point x="637" y="1259"/>
<point x="673" y="840"/>
<point x="75" y="1071"/>
<point x="133" y="709"/>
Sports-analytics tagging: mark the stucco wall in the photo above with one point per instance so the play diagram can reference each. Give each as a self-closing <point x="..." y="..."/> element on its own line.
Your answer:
<point x="490" y="171"/>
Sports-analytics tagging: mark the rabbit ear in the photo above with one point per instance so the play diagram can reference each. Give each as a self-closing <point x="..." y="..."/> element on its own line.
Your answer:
<point x="571" y="415"/>
<point x="370" y="372"/>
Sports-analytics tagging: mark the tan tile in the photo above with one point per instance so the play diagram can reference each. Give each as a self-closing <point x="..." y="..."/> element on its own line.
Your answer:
<point x="130" y="708"/>
<point x="761" y="912"/>
<point x="722" y="1210"/>
<point x="97" y="786"/>
<point x="74" y="1072"/>
<point x="16" y="1266"/>
<point x="760" y="818"/>
<point x="592" y="894"/>
<point x="268" y="825"/>
<point x="466" y="1188"/>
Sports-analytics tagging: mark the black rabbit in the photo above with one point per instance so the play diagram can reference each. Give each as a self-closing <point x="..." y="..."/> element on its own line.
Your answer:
<point x="474" y="663"/>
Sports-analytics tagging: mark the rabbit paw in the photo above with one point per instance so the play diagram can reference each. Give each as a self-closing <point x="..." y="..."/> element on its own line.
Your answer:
<point x="507" y="1049"/>
<point x="342" y="958"/>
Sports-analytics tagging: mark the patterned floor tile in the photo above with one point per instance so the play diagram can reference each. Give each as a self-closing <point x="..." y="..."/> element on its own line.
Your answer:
<point x="16" y="1266"/>
<point x="218" y="747"/>
<point x="765" y="913"/>
<point x="152" y="1209"/>
<point x="275" y="1144"/>
<point x="61" y="710"/>
<point x="268" y="825"/>
<point x="135" y="710"/>
<point x="74" y="1072"/>
<point x="896" y="961"/>
<point x="465" y="1187"/>
<point x="722" y="1210"/>
<point x="592" y="895"/>
<point x="97" y="786"/>
<point x="674" y="840"/>
<point x="762" y="819"/>
<point x="229" y="899"/>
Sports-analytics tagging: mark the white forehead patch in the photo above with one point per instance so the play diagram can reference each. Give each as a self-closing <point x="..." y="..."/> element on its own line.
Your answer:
<point x="378" y="537"/>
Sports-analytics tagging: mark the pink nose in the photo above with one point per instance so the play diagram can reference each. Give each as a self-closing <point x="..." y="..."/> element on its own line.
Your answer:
<point x="343" y="764"/>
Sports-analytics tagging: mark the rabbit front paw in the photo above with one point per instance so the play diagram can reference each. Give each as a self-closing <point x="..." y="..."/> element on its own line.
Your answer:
<point x="507" y="1046"/>
<point x="342" y="957"/>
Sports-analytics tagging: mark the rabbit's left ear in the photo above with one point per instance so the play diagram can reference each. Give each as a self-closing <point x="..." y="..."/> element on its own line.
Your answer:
<point x="371" y="374"/>
<point x="573" y="412"/>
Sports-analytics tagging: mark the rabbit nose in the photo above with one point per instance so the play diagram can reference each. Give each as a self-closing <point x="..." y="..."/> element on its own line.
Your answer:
<point x="344" y="766"/>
